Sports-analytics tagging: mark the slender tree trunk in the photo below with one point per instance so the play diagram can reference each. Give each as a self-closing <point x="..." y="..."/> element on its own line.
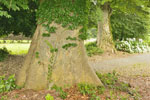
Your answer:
<point x="68" y="67"/>
<point x="104" y="36"/>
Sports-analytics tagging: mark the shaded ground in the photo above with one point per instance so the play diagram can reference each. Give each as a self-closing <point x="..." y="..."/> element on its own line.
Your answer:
<point x="73" y="94"/>
<point x="133" y="69"/>
<point x="11" y="65"/>
<point x="141" y="84"/>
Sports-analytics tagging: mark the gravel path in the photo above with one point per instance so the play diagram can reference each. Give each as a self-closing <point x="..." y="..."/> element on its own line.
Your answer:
<point x="135" y="63"/>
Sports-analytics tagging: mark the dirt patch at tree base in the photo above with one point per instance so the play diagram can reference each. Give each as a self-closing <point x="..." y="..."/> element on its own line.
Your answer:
<point x="11" y="65"/>
<point x="140" y="84"/>
<point x="72" y="94"/>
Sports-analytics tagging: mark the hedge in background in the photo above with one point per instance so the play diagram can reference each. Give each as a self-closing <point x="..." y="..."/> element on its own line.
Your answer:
<point x="129" y="26"/>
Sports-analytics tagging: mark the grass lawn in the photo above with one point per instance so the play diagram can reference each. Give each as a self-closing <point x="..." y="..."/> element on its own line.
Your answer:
<point x="17" y="48"/>
<point x="20" y="47"/>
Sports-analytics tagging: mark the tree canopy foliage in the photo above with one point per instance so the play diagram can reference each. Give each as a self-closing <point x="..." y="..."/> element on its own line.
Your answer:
<point x="18" y="19"/>
<point x="14" y="5"/>
<point x="129" y="26"/>
<point x="11" y="8"/>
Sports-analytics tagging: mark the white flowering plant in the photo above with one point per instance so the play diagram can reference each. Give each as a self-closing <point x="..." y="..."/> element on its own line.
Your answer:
<point x="132" y="45"/>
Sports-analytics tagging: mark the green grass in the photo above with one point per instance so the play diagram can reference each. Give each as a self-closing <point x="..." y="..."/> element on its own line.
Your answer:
<point x="16" y="48"/>
<point x="20" y="47"/>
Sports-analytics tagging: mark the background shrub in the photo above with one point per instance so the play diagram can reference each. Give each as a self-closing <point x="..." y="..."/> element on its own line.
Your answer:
<point x="92" y="49"/>
<point x="129" y="26"/>
<point x="7" y="84"/>
<point x="3" y="54"/>
<point x="132" y="46"/>
<point x="92" y="33"/>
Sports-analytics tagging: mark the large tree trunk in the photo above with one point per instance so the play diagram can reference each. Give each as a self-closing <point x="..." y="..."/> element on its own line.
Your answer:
<point x="104" y="36"/>
<point x="68" y="67"/>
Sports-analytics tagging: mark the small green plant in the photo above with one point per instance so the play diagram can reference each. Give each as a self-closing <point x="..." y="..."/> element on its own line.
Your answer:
<point x="52" y="29"/>
<point x="123" y="98"/>
<point x="46" y="35"/>
<point x="49" y="97"/>
<point x="87" y="89"/>
<point x="94" y="97"/>
<point x="66" y="46"/>
<point x="4" y="97"/>
<point x="123" y="86"/>
<point x="62" y="94"/>
<point x="7" y="84"/>
<point x="108" y="79"/>
<point x="3" y="54"/>
<point x="49" y="29"/>
<point x="16" y="96"/>
<point x="92" y="49"/>
<point x="71" y="38"/>
<point x="101" y="89"/>
<point x="37" y="54"/>
<point x="134" y="94"/>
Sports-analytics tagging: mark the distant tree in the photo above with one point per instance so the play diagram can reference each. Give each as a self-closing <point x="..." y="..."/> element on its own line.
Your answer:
<point x="104" y="36"/>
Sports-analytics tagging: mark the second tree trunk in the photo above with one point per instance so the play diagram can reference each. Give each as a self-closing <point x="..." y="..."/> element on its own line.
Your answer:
<point x="104" y="35"/>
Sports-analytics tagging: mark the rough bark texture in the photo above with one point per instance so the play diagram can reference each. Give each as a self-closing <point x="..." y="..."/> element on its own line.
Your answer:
<point x="69" y="67"/>
<point x="104" y="36"/>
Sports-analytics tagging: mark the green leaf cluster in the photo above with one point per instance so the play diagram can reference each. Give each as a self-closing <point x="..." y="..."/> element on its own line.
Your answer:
<point x="49" y="97"/>
<point x="7" y="84"/>
<point x="87" y="89"/>
<point x="14" y="5"/>
<point x="62" y="93"/>
<point x="71" y="38"/>
<point x="111" y="81"/>
<point x="66" y="46"/>
<point x="70" y="14"/>
<point x="92" y="49"/>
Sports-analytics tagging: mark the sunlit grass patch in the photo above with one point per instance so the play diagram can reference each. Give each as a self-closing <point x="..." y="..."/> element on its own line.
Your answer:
<point x="17" y="48"/>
